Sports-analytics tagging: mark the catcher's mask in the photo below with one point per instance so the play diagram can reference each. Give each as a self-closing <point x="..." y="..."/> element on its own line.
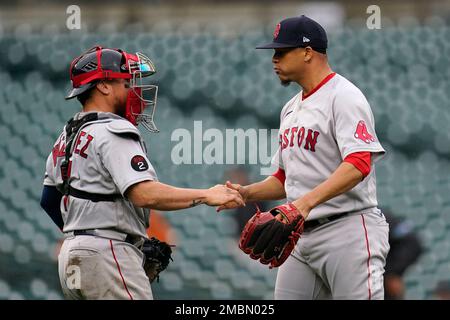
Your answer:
<point x="105" y="64"/>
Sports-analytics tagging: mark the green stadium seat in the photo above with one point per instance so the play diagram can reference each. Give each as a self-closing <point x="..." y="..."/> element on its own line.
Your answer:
<point x="226" y="225"/>
<point x="6" y="135"/>
<point x="192" y="248"/>
<point x="38" y="288"/>
<point x="16" y="296"/>
<point x="415" y="293"/>
<point x="25" y="231"/>
<point x="241" y="280"/>
<point x="40" y="243"/>
<point x="208" y="277"/>
<point x="53" y="295"/>
<point x="7" y="244"/>
<point x="258" y="290"/>
<point x="5" y="290"/>
<point x="172" y="281"/>
<point x="22" y="255"/>
<point x="220" y="290"/>
<point x="191" y="271"/>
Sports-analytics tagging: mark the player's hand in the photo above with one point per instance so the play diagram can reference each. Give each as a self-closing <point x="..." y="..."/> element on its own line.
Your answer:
<point x="231" y="205"/>
<point x="220" y="195"/>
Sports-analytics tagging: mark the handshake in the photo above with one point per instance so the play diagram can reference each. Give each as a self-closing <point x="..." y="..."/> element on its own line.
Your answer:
<point x="228" y="196"/>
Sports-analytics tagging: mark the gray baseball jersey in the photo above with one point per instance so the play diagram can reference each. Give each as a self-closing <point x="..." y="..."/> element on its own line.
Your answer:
<point x="109" y="156"/>
<point x="344" y="257"/>
<point x="317" y="133"/>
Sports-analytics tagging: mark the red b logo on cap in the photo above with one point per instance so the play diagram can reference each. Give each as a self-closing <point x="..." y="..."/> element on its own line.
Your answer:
<point x="277" y="31"/>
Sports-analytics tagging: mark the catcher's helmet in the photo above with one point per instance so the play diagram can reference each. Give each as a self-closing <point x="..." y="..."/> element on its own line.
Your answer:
<point x="103" y="63"/>
<point x="86" y="69"/>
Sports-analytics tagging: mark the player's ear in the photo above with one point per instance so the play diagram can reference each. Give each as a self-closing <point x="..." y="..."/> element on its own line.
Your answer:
<point x="308" y="52"/>
<point x="104" y="87"/>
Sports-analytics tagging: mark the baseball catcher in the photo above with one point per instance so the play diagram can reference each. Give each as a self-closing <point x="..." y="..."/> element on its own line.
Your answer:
<point x="271" y="236"/>
<point x="100" y="184"/>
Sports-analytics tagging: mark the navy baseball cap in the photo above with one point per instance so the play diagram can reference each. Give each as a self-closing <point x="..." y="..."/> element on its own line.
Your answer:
<point x="298" y="32"/>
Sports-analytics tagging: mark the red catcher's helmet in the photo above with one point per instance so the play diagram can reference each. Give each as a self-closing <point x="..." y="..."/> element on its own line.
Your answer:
<point x="103" y="64"/>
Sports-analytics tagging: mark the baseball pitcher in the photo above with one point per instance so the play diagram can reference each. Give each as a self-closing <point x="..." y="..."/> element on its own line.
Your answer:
<point x="329" y="240"/>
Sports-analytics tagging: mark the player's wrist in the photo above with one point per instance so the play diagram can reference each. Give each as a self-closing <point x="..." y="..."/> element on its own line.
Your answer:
<point x="206" y="196"/>
<point x="311" y="201"/>
<point x="303" y="206"/>
<point x="258" y="191"/>
<point x="244" y="192"/>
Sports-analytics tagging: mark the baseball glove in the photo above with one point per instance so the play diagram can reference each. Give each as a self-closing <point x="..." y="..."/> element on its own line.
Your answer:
<point x="157" y="257"/>
<point x="271" y="240"/>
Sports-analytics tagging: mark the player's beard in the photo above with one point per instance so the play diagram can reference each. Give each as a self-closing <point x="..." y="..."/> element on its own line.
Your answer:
<point x="121" y="112"/>
<point x="120" y="101"/>
<point x="121" y="107"/>
<point x="285" y="81"/>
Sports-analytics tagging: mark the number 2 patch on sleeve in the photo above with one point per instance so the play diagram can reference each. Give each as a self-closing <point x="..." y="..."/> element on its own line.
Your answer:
<point x="139" y="163"/>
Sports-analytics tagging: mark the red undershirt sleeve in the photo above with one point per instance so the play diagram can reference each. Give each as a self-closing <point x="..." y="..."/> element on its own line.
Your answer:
<point x="361" y="161"/>
<point x="280" y="175"/>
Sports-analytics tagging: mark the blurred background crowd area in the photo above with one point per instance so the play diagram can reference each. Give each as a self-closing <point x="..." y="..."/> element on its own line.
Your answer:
<point x="208" y="70"/>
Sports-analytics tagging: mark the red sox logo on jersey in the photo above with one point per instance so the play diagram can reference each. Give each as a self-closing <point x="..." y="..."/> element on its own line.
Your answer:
<point x="361" y="133"/>
<point x="288" y="138"/>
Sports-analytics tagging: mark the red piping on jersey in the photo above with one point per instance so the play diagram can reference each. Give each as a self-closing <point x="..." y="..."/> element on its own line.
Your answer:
<point x="368" y="258"/>
<point x="327" y="78"/>
<point x="361" y="161"/>
<point x="120" y="272"/>
<point x="65" y="202"/>
<point x="280" y="175"/>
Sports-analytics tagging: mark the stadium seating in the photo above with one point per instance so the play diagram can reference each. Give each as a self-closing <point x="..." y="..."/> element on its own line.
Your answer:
<point x="225" y="83"/>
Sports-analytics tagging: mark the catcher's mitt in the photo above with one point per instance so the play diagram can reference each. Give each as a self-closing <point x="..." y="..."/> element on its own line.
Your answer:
<point x="271" y="240"/>
<point x="157" y="257"/>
